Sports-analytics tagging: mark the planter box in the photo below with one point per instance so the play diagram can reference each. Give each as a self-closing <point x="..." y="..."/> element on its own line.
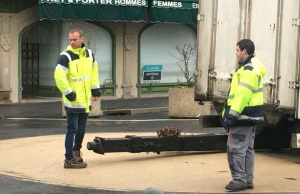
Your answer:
<point x="182" y="104"/>
<point x="95" y="112"/>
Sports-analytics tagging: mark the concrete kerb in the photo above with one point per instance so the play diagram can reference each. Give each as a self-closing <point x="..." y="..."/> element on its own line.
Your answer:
<point x="134" y="111"/>
<point x="106" y="110"/>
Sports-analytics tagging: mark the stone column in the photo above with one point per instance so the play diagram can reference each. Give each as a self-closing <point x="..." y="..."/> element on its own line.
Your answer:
<point x="126" y="37"/>
<point x="117" y="28"/>
<point x="130" y="58"/>
<point x="5" y="42"/>
<point x="127" y="50"/>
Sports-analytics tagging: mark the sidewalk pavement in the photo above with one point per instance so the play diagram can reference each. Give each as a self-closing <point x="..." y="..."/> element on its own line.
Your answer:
<point x="39" y="159"/>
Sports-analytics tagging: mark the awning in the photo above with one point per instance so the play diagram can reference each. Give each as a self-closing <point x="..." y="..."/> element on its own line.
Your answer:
<point x="177" y="11"/>
<point x="105" y="10"/>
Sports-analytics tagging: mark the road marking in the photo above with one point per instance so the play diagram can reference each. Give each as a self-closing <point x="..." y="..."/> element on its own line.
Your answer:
<point x="105" y="120"/>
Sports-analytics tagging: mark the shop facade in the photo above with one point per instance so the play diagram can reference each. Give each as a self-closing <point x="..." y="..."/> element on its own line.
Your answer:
<point x="134" y="42"/>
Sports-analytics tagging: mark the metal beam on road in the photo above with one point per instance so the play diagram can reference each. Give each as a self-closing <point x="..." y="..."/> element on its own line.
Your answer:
<point x="137" y="144"/>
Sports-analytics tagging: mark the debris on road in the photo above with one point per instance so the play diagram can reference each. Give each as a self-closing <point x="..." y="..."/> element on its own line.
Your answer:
<point x="168" y="132"/>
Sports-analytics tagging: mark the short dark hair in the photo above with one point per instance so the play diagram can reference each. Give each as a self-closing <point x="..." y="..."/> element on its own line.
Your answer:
<point x="246" y="44"/>
<point x="76" y="30"/>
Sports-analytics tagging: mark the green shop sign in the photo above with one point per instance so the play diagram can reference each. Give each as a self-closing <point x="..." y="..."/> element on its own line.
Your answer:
<point x="101" y="10"/>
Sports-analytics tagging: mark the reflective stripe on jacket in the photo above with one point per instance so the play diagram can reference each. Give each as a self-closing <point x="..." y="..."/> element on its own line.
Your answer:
<point x="77" y="71"/>
<point x="245" y="100"/>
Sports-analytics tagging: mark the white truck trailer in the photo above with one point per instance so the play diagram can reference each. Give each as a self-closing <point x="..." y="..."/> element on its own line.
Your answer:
<point x="273" y="26"/>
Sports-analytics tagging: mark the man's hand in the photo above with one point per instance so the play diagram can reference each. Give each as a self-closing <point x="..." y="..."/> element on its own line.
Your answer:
<point x="71" y="97"/>
<point x="95" y="98"/>
<point x="226" y="123"/>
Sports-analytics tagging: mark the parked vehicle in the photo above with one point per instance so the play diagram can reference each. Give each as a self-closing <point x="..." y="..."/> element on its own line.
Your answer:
<point x="273" y="26"/>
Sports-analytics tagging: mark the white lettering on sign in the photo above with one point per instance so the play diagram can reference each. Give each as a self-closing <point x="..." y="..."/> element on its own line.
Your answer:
<point x="88" y="1"/>
<point x="152" y="73"/>
<point x="55" y="1"/>
<point x="152" y="68"/>
<point x="168" y="4"/>
<point x="150" y="82"/>
<point x="102" y="2"/>
<point x="131" y="2"/>
<point x="111" y="2"/>
<point x="195" y="5"/>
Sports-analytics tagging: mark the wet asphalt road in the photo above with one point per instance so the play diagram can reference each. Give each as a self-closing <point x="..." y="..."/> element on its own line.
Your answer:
<point x="52" y="109"/>
<point x="12" y="128"/>
<point x="12" y="185"/>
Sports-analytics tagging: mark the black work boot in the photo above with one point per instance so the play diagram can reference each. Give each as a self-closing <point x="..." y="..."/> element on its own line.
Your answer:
<point x="77" y="155"/>
<point x="250" y="185"/>
<point x="233" y="186"/>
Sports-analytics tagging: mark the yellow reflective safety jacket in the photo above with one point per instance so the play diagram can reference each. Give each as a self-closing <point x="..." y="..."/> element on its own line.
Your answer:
<point x="76" y="76"/>
<point x="244" y="103"/>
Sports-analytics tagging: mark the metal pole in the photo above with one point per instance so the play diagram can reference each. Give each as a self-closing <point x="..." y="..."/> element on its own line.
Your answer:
<point x="277" y="52"/>
<point x="297" y="73"/>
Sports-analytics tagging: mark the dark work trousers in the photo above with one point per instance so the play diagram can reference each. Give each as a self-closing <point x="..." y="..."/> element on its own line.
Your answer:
<point x="76" y="123"/>
<point x="240" y="153"/>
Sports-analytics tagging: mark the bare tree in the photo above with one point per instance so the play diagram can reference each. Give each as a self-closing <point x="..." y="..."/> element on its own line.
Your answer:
<point x="91" y="45"/>
<point x="186" y="54"/>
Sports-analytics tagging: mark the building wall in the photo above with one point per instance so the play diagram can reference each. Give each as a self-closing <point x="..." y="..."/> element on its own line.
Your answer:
<point x="124" y="64"/>
<point x="126" y="38"/>
<point x="10" y="27"/>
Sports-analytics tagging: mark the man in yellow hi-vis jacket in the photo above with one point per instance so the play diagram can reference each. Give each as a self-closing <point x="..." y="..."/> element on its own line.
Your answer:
<point x="76" y="76"/>
<point x="243" y="110"/>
